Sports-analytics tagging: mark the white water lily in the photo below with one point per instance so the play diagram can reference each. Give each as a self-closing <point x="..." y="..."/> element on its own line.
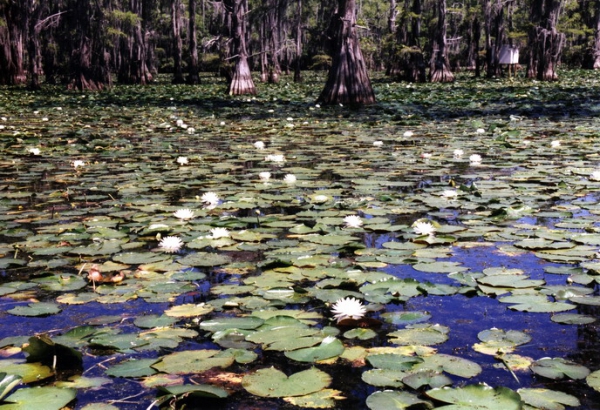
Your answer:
<point x="275" y="158"/>
<point x="555" y="144"/>
<point x="423" y="228"/>
<point x="450" y="193"/>
<point x="259" y="145"/>
<point x="34" y="151"/>
<point x="348" y="308"/>
<point x="408" y="133"/>
<point x="480" y="131"/>
<point x="182" y="160"/>
<point x="320" y="198"/>
<point x="426" y="155"/>
<point x="378" y="143"/>
<point x="78" y="163"/>
<point x="179" y="123"/>
<point x="210" y="199"/>
<point x="264" y="176"/>
<point x="289" y="179"/>
<point x="191" y="130"/>
<point x="184" y="214"/>
<point x="458" y="153"/>
<point x="475" y="159"/>
<point x="595" y="176"/>
<point x="353" y="221"/>
<point x="170" y="244"/>
<point x="217" y="233"/>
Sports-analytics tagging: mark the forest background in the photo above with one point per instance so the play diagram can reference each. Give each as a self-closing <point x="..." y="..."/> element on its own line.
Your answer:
<point x="87" y="45"/>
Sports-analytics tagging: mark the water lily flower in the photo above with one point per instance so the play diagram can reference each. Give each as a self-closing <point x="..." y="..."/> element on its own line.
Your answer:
<point x="179" y="122"/>
<point x="259" y="145"/>
<point x="348" y="308"/>
<point x="475" y="159"/>
<point x="408" y="134"/>
<point x="480" y="131"/>
<point x="275" y="158"/>
<point x="353" y="221"/>
<point x="289" y="179"/>
<point x="170" y="244"/>
<point x="450" y="193"/>
<point x="264" y="176"/>
<point x="320" y="198"/>
<point x="34" y="151"/>
<point x="191" y="130"/>
<point x="377" y="143"/>
<point x="217" y="233"/>
<point x="182" y="160"/>
<point x="458" y="153"/>
<point x="555" y="144"/>
<point x="210" y="199"/>
<point x="426" y="155"/>
<point x="78" y="163"/>
<point x="595" y="176"/>
<point x="184" y="214"/>
<point x="424" y="228"/>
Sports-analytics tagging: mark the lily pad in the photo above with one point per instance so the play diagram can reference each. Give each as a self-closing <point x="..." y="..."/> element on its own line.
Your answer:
<point x="481" y="397"/>
<point x="35" y="398"/>
<point x="557" y="368"/>
<point x="395" y="400"/>
<point x="548" y="399"/>
<point x="270" y="382"/>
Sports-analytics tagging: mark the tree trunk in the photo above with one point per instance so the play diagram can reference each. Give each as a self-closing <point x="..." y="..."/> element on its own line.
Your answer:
<point x="348" y="81"/>
<point x="133" y="69"/>
<point x="34" y="12"/>
<point x="596" y="48"/>
<point x="12" y="43"/>
<point x="194" y="68"/>
<point x="89" y="68"/>
<point x="241" y="81"/>
<point x="440" y="67"/>
<point x="176" y="23"/>
<point x="549" y="41"/>
<point x="298" y="63"/>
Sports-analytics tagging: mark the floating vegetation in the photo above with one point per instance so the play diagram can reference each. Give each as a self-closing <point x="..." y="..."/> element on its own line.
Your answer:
<point x="438" y="248"/>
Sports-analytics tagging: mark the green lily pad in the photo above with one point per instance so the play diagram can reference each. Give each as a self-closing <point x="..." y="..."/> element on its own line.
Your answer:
<point x="195" y="390"/>
<point x="322" y="399"/>
<point x="204" y="259"/>
<point x="36" y="309"/>
<point x="425" y="335"/>
<point x="189" y="310"/>
<point x="270" y="382"/>
<point x="193" y="361"/>
<point x="404" y="318"/>
<point x="132" y="368"/>
<point x="29" y="372"/>
<point x="557" y="368"/>
<point x="35" y="398"/>
<point x="548" y="399"/>
<point x="395" y="400"/>
<point x="329" y="347"/>
<point x="593" y="380"/>
<point x="481" y="397"/>
<point x="498" y="340"/>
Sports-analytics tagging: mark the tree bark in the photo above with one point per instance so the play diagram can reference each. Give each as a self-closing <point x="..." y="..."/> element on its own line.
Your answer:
<point x="12" y="43"/>
<point x="241" y="81"/>
<point x="298" y="62"/>
<point x="89" y="69"/>
<point x="194" y="68"/>
<point x="348" y="80"/>
<point x="440" y="67"/>
<point x="550" y="41"/>
<point x="176" y="23"/>
<point x="133" y="68"/>
<point x="596" y="48"/>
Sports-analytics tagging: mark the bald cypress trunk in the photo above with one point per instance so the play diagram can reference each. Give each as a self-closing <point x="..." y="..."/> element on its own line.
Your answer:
<point x="348" y="81"/>
<point x="241" y="81"/>
<point x="440" y="67"/>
